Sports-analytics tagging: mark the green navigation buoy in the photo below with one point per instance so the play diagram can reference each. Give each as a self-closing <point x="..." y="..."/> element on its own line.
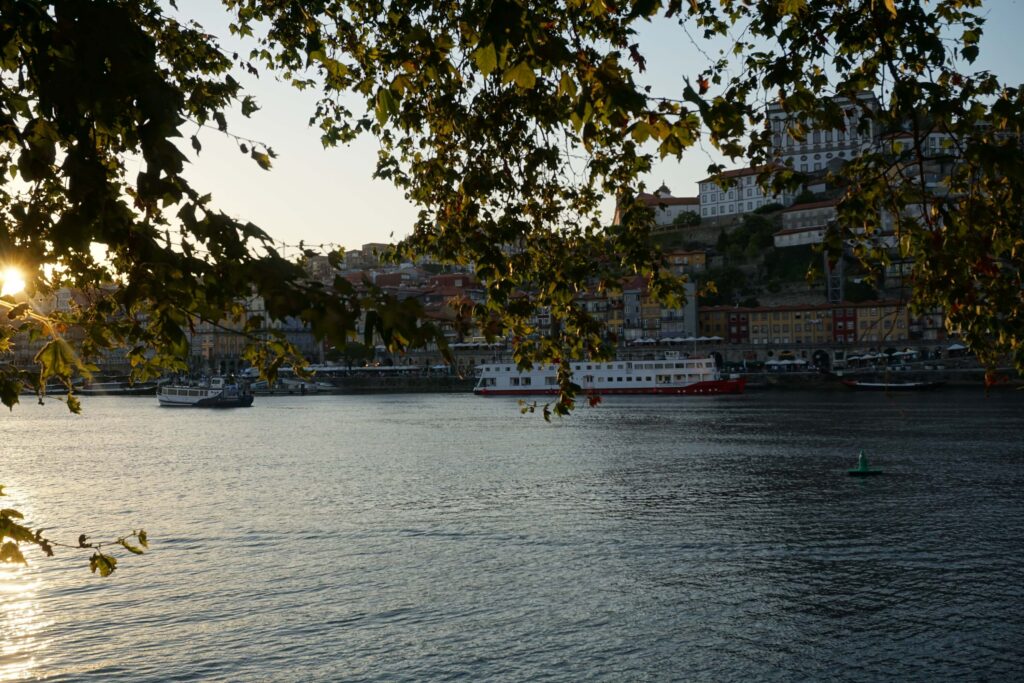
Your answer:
<point x="863" y="469"/>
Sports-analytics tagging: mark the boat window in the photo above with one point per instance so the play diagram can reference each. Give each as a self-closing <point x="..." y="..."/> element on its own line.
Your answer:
<point x="526" y="381"/>
<point x="514" y="381"/>
<point x="549" y="381"/>
<point x="648" y="378"/>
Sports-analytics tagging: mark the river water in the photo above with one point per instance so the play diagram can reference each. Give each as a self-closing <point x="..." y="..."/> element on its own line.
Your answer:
<point x="443" y="537"/>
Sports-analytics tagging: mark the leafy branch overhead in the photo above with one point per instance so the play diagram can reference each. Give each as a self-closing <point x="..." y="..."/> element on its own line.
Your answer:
<point x="13" y="534"/>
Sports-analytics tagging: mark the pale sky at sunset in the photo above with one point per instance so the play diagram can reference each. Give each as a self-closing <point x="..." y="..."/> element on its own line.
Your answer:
<point x="329" y="196"/>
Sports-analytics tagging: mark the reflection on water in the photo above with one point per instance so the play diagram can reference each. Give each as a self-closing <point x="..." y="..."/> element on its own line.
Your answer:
<point x="22" y="631"/>
<point x="436" y="537"/>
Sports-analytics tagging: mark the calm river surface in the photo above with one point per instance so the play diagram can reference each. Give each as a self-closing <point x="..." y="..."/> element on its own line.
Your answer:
<point x="441" y="537"/>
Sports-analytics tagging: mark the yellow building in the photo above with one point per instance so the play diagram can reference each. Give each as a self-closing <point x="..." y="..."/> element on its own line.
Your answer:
<point x="683" y="261"/>
<point x="880" y="322"/>
<point x="797" y="324"/>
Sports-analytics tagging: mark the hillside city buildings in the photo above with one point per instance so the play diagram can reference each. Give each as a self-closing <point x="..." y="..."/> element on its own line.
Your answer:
<point x="820" y="329"/>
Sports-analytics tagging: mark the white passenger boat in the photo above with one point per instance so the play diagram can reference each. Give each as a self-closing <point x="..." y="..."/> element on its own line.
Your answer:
<point x="218" y="393"/>
<point x="666" y="376"/>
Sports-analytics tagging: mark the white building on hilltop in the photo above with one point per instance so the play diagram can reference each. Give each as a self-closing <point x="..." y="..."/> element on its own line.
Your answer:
<point x="742" y="196"/>
<point x="821" y="146"/>
<point x="667" y="208"/>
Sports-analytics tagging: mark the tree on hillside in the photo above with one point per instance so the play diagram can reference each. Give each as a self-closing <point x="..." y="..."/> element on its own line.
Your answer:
<point x="507" y="124"/>
<point x="686" y="219"/>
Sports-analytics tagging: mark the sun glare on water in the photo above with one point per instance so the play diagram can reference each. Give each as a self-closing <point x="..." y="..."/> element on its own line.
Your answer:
<point x="12" y="281"/>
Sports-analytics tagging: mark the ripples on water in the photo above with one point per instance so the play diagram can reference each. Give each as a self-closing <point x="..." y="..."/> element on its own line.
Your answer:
<point x="392" y="538"/>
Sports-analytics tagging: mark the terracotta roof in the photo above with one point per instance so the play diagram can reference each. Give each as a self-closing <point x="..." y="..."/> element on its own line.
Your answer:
<point x="739" y="173"/>
<point x="812" y="205"/>
<point x="806" y="307"/>
<point x="449" y="279"/>
<point x="796" y="231"/>
<point x="658" y="200"/>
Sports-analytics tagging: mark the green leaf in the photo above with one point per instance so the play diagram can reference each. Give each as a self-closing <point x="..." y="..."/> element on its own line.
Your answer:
<point x="891" y="6"/>
<point x="143" y="539"/>
<point x="11" y="512"/>
<point x="387" y="105"/>
<point x="486" y="59"/>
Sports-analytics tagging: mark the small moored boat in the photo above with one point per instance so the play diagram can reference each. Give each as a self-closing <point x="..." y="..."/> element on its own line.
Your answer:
<point x="862" y="385"/>
<point x="218" y="393"/>
<point x="117" y="388"/>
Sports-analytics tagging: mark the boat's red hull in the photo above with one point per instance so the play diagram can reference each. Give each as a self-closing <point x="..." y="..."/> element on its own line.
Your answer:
<point x="719" y="386"/>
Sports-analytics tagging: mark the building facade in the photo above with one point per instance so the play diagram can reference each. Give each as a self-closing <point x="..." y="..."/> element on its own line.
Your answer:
<point x="810" y="149"/>
<point x="742" y="195"/>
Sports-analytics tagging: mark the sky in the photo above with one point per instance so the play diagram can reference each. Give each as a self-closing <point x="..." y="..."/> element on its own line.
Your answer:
<point x="329" y="197"/>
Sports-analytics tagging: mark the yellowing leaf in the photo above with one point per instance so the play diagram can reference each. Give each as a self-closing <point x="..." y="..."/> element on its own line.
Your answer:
<point x="521" y="74"/>
<point x="486" y="59"/>
<point x="566" y="85"/>
<point x="131" y="548"/>
<point x="11" y="553"/>
<point x="262" y="159"/>
<point x="104" y="564"/>
<point x="56" y="358"/>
